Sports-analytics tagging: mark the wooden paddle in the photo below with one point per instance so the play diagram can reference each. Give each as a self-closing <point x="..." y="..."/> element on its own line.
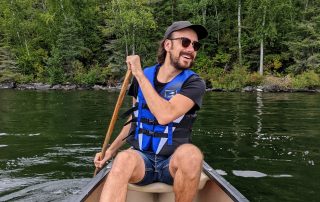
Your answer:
<point x="114" y="116"/>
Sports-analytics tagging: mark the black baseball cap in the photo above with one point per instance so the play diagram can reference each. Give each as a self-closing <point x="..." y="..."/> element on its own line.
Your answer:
<point x="178" y="25"/>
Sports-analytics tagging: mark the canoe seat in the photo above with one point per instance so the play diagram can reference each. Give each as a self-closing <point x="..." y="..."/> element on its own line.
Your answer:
<point x="159" y="187"/>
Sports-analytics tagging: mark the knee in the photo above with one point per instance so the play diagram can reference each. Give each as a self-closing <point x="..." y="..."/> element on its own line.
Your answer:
<point x="123" y="162"/>
<point x="189" y="158"/>
<point x="189" y="153"/>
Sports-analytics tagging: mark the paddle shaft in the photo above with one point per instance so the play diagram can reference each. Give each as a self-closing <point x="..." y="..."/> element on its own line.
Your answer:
<point x="115" y="115"/>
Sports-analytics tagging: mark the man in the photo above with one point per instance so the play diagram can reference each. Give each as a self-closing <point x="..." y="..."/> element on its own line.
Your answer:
<point x="166" y="97"/>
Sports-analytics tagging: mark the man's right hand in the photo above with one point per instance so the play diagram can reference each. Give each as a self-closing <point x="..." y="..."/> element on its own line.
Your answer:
<point x="134" y="64"/>
<point x="98" y="162"/>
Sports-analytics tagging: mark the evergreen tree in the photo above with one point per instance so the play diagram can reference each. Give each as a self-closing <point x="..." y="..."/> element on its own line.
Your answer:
<point x="304" y="43"/>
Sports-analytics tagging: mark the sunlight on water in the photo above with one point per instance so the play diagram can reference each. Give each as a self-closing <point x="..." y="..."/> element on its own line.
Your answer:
<point x="19" y="134"/>
<point x="282" y="175"/>
<point x="256" y="174"/>
<point x="248" y="173"/>
<point x="221" y="172"/>
<point x="26" y="162"/>
<point x="36" y="134"/>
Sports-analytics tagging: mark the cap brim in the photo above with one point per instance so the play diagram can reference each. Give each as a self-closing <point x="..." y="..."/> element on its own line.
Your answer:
<point x="200" y="30"/>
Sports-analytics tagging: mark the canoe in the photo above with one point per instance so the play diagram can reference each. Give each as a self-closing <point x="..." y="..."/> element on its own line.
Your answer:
<point x="212" y="188"/>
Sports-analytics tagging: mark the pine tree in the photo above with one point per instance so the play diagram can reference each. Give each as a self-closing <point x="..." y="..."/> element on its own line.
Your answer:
<point x="304" y="40"/>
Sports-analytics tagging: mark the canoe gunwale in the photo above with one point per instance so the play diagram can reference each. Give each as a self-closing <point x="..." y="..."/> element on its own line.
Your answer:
<point x="94" y="183"/>
<point x="230" y="190"/>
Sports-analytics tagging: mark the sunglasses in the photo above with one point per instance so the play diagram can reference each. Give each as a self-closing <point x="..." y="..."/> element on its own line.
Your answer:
<point x="185" y="42"/>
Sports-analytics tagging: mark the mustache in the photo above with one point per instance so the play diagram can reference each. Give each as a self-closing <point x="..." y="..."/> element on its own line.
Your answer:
<point x="186" y="53"/>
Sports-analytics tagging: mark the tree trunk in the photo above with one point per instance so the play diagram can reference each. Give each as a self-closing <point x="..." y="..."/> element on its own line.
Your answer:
<point x="306" y="5"/>
<point x="239" y="33"/>
<point x="62" y="8"/>
<point x="173" y="9"/>
<point x="204" y="15"/>
<point x="133" y="40"/>
<point x="261" y="58"/>
<point x="26" y="44"/>
<point x="261" y="42"/>
<point x="218" y="35"/>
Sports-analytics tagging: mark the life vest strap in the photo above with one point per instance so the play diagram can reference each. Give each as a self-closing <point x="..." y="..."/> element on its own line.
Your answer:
<point x="155" y="122"/>
<point x="128" y="112"/>
<point x="132" y="109"/>
<point x="155" y="134"/>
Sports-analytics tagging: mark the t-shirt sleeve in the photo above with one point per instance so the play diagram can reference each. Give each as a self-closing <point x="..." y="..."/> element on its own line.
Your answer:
<point x="134" y="87"/>
<point x="194" y="88"/>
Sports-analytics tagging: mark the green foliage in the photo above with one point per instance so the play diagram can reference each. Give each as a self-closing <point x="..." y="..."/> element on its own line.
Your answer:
<point x="16" y="77"/>
<point x="56" y="75"/>
<point x="69" y="45"/>
<point x="234" y="80"/>
<point x="94" y="75"/>
<point x="91" y="77"/>
<point x="7" y="76"/>
<point x="273" y="62"/>
<point x="86" y="41"/>
<point x="309" y="79"/>
<point x="221" y="59"/>
<point x="54" y="69"/>
<point x="21" y="78"/>
<point x="304" y="46"/>
<point x="254" y="79"/>
<point x="203" y="66"/>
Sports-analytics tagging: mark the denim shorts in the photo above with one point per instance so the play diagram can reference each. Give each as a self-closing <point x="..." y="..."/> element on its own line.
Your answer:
<point x="156" y="168"/>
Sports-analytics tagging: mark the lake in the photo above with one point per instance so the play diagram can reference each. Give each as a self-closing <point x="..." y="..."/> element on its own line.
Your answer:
<point x="265" y="144"/>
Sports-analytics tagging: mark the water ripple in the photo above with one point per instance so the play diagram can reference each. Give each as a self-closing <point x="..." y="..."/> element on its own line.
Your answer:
<point x="60" y="190"/>
<point x="26" y="162"/>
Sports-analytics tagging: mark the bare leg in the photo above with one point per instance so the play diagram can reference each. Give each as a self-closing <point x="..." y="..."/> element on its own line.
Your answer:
<point x="128" y="166"/>
<point x="185" y="167"/>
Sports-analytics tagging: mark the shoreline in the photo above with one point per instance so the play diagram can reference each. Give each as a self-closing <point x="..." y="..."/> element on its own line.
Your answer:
<point x="66" y="87"/>
<point x="69" y="86"/>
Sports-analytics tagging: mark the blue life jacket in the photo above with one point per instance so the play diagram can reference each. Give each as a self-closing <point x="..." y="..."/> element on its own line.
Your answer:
<point x="146" y="134"/>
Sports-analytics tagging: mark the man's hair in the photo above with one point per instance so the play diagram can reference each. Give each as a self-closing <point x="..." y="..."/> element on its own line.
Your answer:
<point x="161" y="55"/>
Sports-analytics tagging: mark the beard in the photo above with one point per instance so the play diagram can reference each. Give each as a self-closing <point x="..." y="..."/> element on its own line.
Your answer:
<point x="176" y="63"/>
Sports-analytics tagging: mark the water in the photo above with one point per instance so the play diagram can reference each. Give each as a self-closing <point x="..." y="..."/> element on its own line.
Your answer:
<point x="266" y="145"/>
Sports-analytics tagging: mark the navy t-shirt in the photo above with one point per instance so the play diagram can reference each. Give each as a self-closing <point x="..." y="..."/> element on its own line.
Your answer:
<point x="193" y="88"/>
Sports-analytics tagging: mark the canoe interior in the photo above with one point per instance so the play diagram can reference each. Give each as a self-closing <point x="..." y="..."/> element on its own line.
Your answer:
<point x="210" y="192"/>
<point x="212" y="188"/>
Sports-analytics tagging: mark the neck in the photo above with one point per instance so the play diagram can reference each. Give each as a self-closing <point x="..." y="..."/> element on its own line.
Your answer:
<point x="167" y="72"/>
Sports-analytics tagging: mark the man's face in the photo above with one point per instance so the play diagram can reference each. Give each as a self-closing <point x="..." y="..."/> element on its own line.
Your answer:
<point x="182" y="57"/>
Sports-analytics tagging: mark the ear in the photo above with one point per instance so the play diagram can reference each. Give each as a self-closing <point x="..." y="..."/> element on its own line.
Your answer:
<point x="167" y="45"/>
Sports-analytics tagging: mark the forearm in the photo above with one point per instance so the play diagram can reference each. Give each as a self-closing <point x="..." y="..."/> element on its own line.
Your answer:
<point x="120" y="139"/>
<point x="159" y="107"/>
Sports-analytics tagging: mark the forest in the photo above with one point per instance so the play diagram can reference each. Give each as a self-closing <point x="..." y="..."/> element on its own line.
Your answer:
<point x="85" y="42"/>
